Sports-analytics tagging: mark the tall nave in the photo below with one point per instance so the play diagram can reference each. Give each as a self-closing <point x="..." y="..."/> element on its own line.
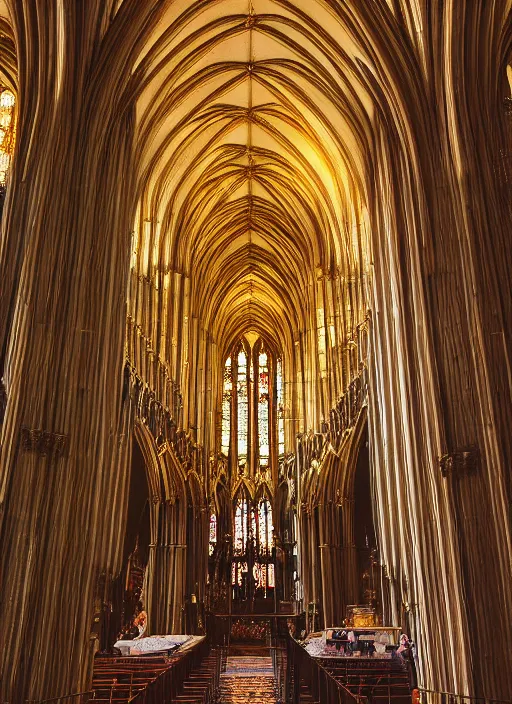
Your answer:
<point x="255" y="351"/>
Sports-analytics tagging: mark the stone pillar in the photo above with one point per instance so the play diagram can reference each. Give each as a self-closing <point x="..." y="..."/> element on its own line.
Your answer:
<point x="440" y="356"/>
<point x="64" y="260"/>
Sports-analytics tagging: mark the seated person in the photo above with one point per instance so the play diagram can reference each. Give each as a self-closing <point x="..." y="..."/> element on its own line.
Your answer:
<point x="141" y="622"/>
<point x="136" y="629"/>
<point x="405" y="651"/>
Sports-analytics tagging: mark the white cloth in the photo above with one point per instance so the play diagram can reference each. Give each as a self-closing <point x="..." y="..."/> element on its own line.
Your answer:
<point x="151" y="644"/>
<point x="315" y="647"/>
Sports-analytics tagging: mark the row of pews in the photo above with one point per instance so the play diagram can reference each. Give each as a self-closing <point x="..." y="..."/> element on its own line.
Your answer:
<point x="202" y="684"/>
<point x="379" y="681"/>
<point x="347" y="680"/>
<point x="191" y="677"/>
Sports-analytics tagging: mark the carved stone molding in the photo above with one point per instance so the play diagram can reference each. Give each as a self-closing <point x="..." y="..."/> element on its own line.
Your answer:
<point x="44" y="442"/>
<point x="460" y="462"/>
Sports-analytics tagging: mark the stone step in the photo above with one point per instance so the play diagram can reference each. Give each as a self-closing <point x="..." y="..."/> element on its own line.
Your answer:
<point x="248" y="679"/>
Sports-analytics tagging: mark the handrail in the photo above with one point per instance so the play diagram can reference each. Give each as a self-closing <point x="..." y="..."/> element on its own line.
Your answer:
<point x="61" y="698"/>
<point x="322" y="684"/>
<point x="452" y="697"/>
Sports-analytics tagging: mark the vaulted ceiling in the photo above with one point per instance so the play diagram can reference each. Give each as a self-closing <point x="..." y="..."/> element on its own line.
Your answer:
<point x="252" y="125"/>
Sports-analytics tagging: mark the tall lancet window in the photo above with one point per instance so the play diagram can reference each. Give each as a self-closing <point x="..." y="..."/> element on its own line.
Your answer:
<point x="242" y="388"/>
<point x="265" y="528"/>
<point x="213" y="534"/>
<point x="7" y="134"/>
<point x="263" y="570"/>
<point x="226" y="406"/>
<point x="263" y="409"/>
<point x="280" y="408"/>
<point x="241" y="528"/>
<point x="252" y="406"/>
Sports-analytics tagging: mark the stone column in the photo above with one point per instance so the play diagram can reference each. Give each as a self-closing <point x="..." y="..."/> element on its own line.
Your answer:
<point x="62" y="337"/>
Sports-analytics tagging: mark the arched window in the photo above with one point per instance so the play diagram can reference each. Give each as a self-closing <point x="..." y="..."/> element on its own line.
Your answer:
<point x="241" y="530"/>
<point x="242" y="390"/>
<point x="265" y="528"/>
<point x="252" y="548"/>
<point x="263" y="410"/>
<point x="252" y="438"/>
<point x="213" y="533"/>
<point x="264" y="568"/>
<point x="226" y="406"/>
<point x="252" y="383"/>
<point x="280" y="408"/>
<point x="7" y="134"/>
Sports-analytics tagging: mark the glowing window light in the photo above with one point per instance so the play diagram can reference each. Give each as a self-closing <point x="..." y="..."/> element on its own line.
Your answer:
<point x="280" y="407"/>
<point x="213" y="533"/>
<point x="7" y="99"/>
<point x="243" y="408"/>
<point x="238" y="569"/>
<point x="271" y="576"/>
<point x="263" y="410"/>
<point x="7" y="132"/>
<point x="226" y="406"/>
<point x="240" y="533"/>
<point x="265" y="527"/>
<point x="260" y="576"/>
<point x="264" y="576"/>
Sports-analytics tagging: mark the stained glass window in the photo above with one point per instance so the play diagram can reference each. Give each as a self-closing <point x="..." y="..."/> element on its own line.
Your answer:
<point x="237" y="571"/>
<point x="263" y="399"/>
<point x="252" y="570"/>
<point x="226" y="406"/>
<point x="265" y="527"/>
<point x="7" y="132"/>
<point x="259" y="574"/>
<point x="264" y="576"/>
<point x="271" y="576"/>
<point x="280" y="407"/>
<point x="240" y="537"/>
<point x="213" y="533"/>
<point x="243" y="408"/>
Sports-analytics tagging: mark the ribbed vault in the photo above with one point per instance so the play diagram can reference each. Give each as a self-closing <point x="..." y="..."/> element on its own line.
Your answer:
<point x="251" y="135"/>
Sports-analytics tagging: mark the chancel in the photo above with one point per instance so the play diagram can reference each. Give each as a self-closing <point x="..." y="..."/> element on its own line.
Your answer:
<point x="255" y="351"/>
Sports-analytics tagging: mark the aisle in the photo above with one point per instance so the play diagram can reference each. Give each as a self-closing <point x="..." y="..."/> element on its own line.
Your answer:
<point x="248" y="679"/>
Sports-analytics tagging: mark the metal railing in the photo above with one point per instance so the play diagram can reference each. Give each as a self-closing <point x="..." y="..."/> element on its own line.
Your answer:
<point x="431" y="696"/>
<point x="321" y="684"/>
<point x="77" y="698"/>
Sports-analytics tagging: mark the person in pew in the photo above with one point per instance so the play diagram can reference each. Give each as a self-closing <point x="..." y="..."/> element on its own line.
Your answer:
<point x="141" y="622"/>
<point x="137" y="628"/>
<point x="405" y="650"/>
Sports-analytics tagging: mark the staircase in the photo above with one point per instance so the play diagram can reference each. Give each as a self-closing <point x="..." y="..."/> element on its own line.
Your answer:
<point x="248" y="679"/>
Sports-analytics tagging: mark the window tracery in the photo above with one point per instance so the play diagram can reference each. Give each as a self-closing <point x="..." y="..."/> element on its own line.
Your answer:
<point x="226" y="406"/>
<point x="252" y="382"/>
<point x="252" y="433"/>
<point x="242" y="408"/>
<point x="213" y="534"/>
<point x="263" y="410"/>
<point x="252" y="546"/>
<point x="280" y="408"/>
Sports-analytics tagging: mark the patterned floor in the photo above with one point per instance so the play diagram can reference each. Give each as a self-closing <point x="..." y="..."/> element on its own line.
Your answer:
<point x="248" y="679"/>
